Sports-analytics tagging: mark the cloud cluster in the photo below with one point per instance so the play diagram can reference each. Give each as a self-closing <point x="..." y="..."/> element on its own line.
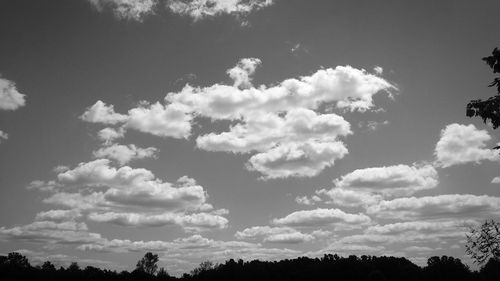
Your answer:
<point x="10" y="98"/>
<point x="285" y="235"/>
<point x="199" y="9"/>
<point x="129" y="197"/>
<point x="432" y="207"/>
<point x="126" y="9"/>
<point x="391" y="180"/>
<point x="123" y="154"/>
<point x="3" y="136"/>
<point x="196" y="9"/>
<point x="321" y="217"/>
<point x="460" y="144"/>
<point x="282" y="126"/>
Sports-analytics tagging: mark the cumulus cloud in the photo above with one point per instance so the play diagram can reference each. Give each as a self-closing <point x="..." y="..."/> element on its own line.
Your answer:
<point x="125" y="153"/>
<point x="263" y="131"/>
<point x="108" y="135"/>
<point x="391" y="180"/>
<point x="160" y="120"/>
<point x="129" y="197"/>
<point x="286" y="235"/>
<point x="59" y="215"/>
<point x="321" y="217"/>
<point x="135" y="187"/>
<point x="10" y="98"/>
<point x="460" y="144"/>
<point x="300" y="160"/>
<point x="3" y="136"/>
<point x="190" y="222"/>
<point x="102" y="113"/>
<point x="126" y="9"/>
<point x="369" y="186"/>
<point x="282" y="125"/>
<point x="243" y="71"/>
<point x="199" y="9"/>
<point x="439" y="206"/>
<point x="348" y="197"/>
<point x="496" y="180"/>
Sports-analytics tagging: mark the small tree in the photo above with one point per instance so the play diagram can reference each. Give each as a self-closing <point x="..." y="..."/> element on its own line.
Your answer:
<point x="483" y="242"/>
<point x="148" y="263"/>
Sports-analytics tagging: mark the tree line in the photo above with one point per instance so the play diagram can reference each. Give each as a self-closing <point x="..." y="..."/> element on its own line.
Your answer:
<point x="16" y="267"/>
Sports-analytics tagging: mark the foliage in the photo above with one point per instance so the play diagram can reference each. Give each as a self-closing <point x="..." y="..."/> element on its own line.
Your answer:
<point x="488" y="110"/>
<point x="483" y="242"/>
<point x="148" y="263"/>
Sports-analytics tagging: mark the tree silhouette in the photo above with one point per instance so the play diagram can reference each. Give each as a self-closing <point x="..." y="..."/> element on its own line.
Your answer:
<point x="17" y="260"/>
<point x="488" y="110"/>
<point x="483" y="242"/>
<point x="203" y="267"/>
<point x="148" y="263"/>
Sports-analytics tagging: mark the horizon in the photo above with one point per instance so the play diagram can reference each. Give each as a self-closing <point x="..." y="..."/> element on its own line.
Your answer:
<point x="228" y="129"/>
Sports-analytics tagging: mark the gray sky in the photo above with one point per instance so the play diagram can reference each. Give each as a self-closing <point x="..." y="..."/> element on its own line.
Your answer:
<point x="243" y="129"/>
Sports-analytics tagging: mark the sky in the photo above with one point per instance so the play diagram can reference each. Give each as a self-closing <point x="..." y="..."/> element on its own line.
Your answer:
<point x="260" y="129"/>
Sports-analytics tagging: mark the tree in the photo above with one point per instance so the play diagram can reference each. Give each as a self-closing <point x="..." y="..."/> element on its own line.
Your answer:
<point x="74" y="267"/>
<point x="162" y="274"/>
<point x="48" y="266"/>
<point x="488" y="110"/>
<point x="204" y="266"/>
<point x="148" y="263"/>
<point x="18" y="260"/>
<point x="483" y="242"/>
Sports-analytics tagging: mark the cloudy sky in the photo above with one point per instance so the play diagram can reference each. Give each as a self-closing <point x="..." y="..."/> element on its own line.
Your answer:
<point x="254" y="129"/>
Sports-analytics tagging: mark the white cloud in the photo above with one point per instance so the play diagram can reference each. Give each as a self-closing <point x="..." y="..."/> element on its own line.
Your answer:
<point x="127" y="186"/>
<point x="102" y="113"/>
<point x="344" y="86"/>
<point x="373" y="125"/>
<point x="281" y="125"/>
<point x="160" y="120"/>
<point x="59" y="215"/>
<point x="264" y="131"/>
<point x="10" y="98"/>
<point x="321" y="217"/>
<point x="197" y="222"/>
<point x="439" y="206"/>
<point x="125" y="153"/>
<point x="297" y="159"/>
<point x="127" y="9"/>
<point x="108" y="135"/>
<point x="156" y="119"/>
<point x="496" y="180"/>
<point x="348" y="197"/>
<point x="460" y="144"/>
<point x="129" y="197"/>
<point x="391" y="180"/>
<point x="378" y="70"/>
<point x="243" y="71"/>
<point x="199" y="9"/>
<point x="285" y="235"/>
<point x="3" y="136"/>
